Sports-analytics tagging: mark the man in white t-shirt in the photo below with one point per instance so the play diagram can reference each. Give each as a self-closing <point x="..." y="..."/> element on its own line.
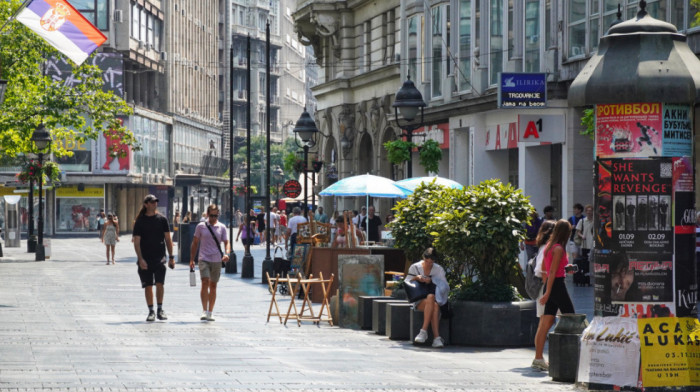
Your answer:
<point x="274" y="218"/>
<point x="292" y="227"/>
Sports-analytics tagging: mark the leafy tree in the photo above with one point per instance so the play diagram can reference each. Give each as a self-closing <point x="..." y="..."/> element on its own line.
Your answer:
<point x="480" y="232"/>
<point x="278" y="153"/>
<point x="695" y="22"/>
<point x="80" y="112"/>
<point x="411" y="216"/>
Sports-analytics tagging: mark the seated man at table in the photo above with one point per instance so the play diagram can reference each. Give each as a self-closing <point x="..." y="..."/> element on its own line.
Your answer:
<point x="371" y="224"/>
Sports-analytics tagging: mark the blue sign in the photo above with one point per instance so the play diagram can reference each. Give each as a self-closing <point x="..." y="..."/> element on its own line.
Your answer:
<point x="522" y="90"/>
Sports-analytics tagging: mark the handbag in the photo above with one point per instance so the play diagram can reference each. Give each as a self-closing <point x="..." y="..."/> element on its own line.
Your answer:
<point x="533" y="284"/>
<point x="416" y="290"/>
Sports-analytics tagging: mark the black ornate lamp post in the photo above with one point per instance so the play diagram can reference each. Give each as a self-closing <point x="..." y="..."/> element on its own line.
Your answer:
<point x="306" y="130"/>
<point x="407" y="102"/>
<point x="41" y="139"/>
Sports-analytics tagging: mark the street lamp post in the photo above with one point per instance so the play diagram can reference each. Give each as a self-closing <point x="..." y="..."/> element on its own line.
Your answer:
<point x="407" y="102"/>
<point x="41" y="139"/>
<point x="306" y="130"/>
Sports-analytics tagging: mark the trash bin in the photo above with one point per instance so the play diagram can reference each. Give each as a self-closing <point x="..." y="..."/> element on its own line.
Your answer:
<point x="47" y="248"/>
<point x="565" y="346"/>
<point x="184" y="245"/>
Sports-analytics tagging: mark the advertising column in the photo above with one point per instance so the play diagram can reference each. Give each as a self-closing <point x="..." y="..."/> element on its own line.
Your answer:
<point x="644" y="261"/>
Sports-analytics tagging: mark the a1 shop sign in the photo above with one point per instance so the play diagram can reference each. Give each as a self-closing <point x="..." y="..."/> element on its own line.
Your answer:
<point x="545" y="129"/>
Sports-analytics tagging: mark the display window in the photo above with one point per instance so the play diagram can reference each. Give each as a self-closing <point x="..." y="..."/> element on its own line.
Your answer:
<point x="77" y="208"/>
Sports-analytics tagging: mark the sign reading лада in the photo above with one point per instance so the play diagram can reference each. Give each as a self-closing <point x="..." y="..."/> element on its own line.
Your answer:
<point x="522" y="90"/>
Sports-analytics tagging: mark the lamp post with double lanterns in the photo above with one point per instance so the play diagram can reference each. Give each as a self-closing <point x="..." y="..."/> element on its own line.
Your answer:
<point x="41" y="139"/>
<point x="407" y="102"/>
<point x="305" y="130"/>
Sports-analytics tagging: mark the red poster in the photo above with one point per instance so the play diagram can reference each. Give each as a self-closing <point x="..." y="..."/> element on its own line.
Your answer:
<point x="628" y="130"/>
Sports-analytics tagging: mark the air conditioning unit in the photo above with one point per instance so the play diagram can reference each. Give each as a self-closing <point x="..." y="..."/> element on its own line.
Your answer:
<point x="118" y="16"/>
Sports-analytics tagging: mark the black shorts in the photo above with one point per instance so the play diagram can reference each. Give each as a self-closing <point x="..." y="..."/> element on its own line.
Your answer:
<point x="154" y="274"/>
<point x="559" y="299"/>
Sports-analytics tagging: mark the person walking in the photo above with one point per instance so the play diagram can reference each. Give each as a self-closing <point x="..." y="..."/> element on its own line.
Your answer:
<point x="100" y="221"/>
<point x="542" y="238"/>
<point x="321" y="216"/>
<point x="555" y="297"/>
<point x="207" y="238"/>
<point x="584" y="230"/>
<point x="110" y="235"/>
<point x="292" y="228"/>
<point x="151" y="237"/>
<point x="247" y="234"/>
<point x="261" y="225"/>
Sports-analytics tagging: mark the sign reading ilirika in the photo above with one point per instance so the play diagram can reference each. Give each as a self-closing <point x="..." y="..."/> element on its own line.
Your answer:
<point x="522" y="90"/>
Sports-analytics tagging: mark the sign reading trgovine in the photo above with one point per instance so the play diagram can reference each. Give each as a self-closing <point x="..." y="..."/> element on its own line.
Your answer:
<point x="522" y="90"/>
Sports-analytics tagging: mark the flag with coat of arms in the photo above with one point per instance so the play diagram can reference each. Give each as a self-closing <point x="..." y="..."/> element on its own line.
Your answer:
<point x="63" y="27"/>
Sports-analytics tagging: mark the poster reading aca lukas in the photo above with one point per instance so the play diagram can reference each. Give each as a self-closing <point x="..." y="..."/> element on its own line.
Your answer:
<point x="670" y="351"/>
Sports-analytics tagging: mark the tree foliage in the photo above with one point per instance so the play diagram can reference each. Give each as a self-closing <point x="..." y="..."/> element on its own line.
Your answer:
<point x="430" y="156"/>
<point x="588" y="121"/>
<point x="481" y="232"/>
<point x="78" y="112"/>
<point x="278" y="154"/>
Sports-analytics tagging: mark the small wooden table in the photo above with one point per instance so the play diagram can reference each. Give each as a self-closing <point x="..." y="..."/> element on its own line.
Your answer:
<point x="305" y="284"/>
<point x="273" y="284"/>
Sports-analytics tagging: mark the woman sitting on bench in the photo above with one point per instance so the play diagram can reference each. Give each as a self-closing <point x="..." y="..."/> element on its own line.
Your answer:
<point x="427" y="271"/>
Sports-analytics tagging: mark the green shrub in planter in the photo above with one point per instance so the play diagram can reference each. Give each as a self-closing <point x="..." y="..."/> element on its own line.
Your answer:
<point x="480" y="234"/>
<point x="411" y="215"/>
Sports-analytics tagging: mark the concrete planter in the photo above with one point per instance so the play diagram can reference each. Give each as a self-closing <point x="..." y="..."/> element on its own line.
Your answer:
<point x="493" y="323"/>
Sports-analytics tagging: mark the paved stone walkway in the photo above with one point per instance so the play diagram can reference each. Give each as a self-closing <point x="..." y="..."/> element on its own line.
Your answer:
<point x="73" y="323"/>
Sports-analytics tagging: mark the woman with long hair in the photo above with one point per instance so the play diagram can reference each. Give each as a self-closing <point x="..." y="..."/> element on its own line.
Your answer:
<point x="110" y="235"/>
<point x="543" y="235"/>
<point x="555" y="297"/>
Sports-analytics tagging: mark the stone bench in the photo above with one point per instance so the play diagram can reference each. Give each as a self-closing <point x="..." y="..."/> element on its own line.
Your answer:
<point x="364" y="310"/>
<point x="417" y="322"/>
<point x="379" y="314"/>
<point x="398" y="318"/>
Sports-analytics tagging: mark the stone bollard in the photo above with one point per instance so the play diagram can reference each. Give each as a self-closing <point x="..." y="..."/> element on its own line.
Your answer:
<point x="565" y="345"/>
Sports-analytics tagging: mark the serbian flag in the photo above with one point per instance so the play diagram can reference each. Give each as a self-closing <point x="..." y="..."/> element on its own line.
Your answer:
<point x="63" y="27"/>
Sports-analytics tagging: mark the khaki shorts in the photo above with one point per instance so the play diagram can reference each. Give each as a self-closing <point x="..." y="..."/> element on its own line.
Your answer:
<point x="210" y="270"/>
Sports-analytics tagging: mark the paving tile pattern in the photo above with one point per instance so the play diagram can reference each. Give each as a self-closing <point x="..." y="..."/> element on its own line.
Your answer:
<point x="74" y="324"/>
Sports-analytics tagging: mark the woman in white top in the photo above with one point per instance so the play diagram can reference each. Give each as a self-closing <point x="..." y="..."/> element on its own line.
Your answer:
<point x="427" y="271"/>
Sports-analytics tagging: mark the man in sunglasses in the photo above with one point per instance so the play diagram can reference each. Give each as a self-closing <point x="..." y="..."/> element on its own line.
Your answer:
<point x="151" y="237"/>
<point x="207" y="237"/>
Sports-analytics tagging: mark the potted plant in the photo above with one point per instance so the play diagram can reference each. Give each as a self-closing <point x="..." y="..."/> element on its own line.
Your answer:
<point x="478" y="231"/>
<point x="399" y="151"/>
<point x="430" y="156"/>
<point x="34" y="171"/>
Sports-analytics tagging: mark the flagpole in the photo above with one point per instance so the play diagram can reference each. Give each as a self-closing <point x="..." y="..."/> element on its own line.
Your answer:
<point x="14" y="16"/>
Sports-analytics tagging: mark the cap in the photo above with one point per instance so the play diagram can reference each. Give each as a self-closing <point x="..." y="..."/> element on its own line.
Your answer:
<point x="150" y="198"/>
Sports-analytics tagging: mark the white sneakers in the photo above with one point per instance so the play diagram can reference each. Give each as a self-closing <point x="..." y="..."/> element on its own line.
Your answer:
<point x="540" y="364"/>
<point x="421" y="337"/>
<point x="206" y="316"/>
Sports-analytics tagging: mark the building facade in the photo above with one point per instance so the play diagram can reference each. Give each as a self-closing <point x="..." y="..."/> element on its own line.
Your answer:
<point x="455" y="52"/>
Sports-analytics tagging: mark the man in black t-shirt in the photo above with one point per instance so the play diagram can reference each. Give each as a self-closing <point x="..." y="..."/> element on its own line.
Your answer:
<point x="151" y="237"/>
<point x="374" y="223"/>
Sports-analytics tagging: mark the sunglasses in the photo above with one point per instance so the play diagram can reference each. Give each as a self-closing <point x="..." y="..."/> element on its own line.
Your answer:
<point x="213" y="215"/>
<point x="152" y="201"/>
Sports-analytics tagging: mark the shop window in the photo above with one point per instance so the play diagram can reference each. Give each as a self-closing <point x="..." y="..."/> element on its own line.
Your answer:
<point x="495" y="40"/>
<point x="465" y="42"/>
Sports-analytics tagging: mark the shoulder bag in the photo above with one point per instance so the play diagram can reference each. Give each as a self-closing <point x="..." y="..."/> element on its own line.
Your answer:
<point x="416" y="290"/>
<point x="217" y="243"/>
